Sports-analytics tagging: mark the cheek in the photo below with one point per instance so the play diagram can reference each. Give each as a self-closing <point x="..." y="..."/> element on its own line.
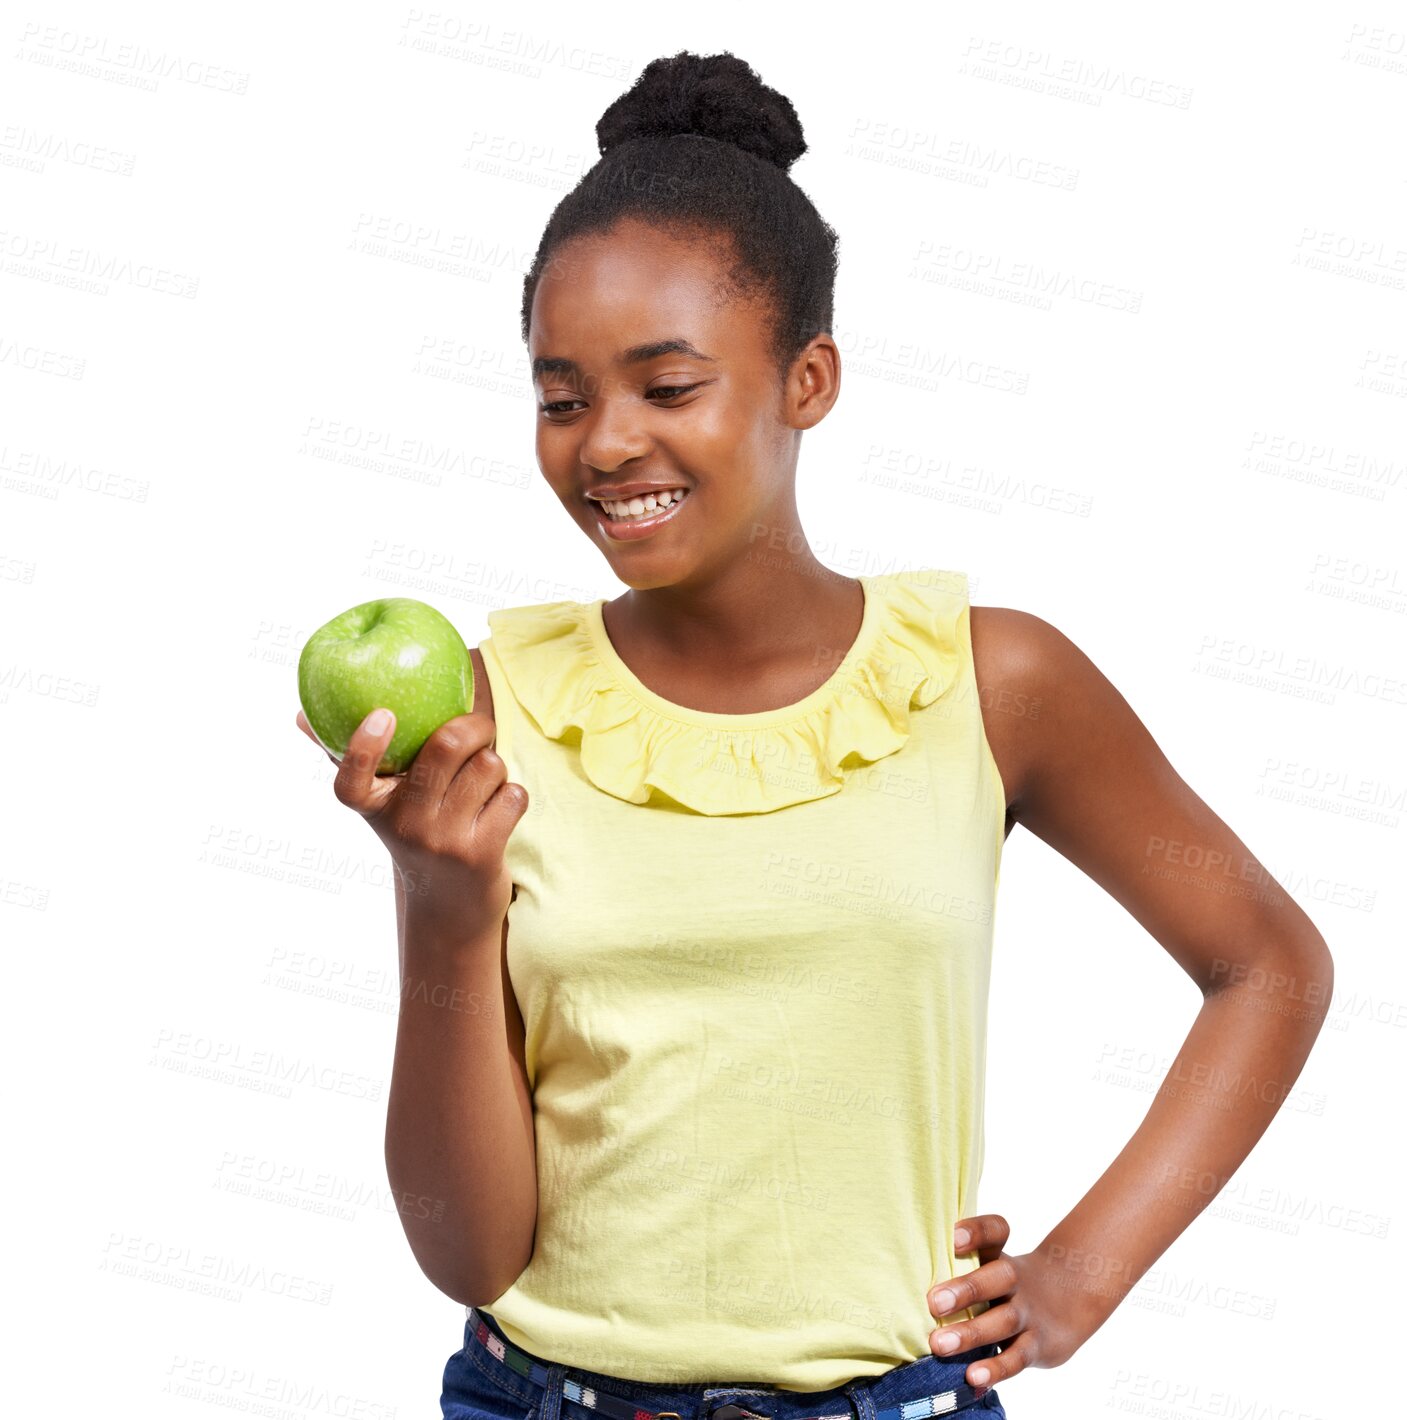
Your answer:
<point x="562" y="488"/>
<point x="709" y="430"/>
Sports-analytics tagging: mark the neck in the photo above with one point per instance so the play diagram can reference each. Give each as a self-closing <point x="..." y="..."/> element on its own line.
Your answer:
<point x="758" y="611"/>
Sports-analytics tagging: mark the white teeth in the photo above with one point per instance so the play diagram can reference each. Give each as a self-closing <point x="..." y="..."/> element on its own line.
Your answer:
<point x="643" y="507"/>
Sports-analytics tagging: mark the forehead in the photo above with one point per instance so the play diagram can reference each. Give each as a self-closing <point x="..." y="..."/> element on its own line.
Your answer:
<point x="602" y="293"/>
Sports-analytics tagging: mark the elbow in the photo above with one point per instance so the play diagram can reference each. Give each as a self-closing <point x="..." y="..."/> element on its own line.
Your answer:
<point x="483" y="1292"/>
<point x="466" y="1291"/>
<point x="491" y="1288"/>
<point x="1297" y="974"/>
<point x="1308" y="968"/>
<point x="1322" y="974"/>
<point x="479" y="1287"/>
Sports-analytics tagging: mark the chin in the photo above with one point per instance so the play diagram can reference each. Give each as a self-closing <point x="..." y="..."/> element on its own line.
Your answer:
<point x="639" y="579"/>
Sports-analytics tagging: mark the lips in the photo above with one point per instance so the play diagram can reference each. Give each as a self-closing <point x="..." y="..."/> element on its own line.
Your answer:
<point x="629" y="492"/>
<point x="628" y="529"/>
<point x="632" y="508"/>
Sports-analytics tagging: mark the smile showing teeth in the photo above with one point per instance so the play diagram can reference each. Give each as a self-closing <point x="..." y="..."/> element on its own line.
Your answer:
<point x="644" y="507"/>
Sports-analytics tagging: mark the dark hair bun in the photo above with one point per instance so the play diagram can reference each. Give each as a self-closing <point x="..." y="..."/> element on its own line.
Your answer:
<point x="712" y="95"/>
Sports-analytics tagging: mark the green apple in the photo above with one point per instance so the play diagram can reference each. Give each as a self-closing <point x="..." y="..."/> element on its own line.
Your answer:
<point x="394" y="652"/>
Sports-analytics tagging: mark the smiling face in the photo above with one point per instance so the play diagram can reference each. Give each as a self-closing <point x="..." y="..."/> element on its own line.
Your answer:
<point x="645" y="375"/>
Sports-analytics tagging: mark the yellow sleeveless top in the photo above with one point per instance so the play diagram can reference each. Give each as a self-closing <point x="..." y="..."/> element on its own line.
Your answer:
<point x="752" y="955"/>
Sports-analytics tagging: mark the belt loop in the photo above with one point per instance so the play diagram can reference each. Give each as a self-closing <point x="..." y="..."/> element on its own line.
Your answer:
<point x="860" y="1399"/>
<point x="551" y="1408"/>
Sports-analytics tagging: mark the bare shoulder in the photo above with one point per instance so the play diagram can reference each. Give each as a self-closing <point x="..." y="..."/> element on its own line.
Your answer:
<point x="1016" y="657"/>
<point x="1044" y="703"/>
<point x="483" y="691"/>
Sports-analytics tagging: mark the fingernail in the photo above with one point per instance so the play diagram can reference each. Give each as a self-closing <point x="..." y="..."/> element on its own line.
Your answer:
<point x="944" y="1302"/>
<point x="948" y="1340"/>
<point x="979" y="1376"/>
<point x="376" y="722"/>
<point x="962" y="1237"/>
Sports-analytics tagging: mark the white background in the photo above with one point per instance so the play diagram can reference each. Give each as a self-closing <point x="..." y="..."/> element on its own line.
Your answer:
<point x="260" y="271"/>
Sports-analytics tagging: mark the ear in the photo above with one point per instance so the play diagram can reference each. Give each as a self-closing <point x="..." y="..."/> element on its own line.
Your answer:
<point x="814" y="384"/>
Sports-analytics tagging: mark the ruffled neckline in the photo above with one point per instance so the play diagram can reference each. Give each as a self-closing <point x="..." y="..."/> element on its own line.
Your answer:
<point x="644" y="749"/>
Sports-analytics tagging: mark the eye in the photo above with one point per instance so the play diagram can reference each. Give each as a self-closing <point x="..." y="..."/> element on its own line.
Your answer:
<point x="561" y="406"/>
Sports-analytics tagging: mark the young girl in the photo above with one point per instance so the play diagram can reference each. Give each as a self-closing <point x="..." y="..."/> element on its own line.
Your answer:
<point x="696" y="906"/>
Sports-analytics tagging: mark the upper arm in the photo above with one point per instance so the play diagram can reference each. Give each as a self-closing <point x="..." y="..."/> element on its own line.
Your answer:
<point x="1085" y="776"/>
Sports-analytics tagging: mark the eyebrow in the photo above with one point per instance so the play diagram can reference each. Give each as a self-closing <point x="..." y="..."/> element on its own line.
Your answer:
<point x="635" y="355"/>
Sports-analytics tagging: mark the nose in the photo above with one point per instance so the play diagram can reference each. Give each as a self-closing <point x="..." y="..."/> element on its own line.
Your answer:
<point x="613" y="435"/>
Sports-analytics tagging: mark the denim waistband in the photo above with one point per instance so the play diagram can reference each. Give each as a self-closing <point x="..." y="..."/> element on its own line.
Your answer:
<point x="931" y="1385"/>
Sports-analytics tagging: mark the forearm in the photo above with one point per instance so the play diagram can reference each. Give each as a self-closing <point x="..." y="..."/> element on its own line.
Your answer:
<point x="1241" y="1057"/>
<point x="459" y="1125"/>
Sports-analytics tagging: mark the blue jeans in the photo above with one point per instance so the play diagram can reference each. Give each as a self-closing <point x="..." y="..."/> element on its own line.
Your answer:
<point x="491" y="1379"/>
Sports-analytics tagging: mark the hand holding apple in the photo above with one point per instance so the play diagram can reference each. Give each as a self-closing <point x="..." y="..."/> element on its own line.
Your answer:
<point x="396" y="653"/>
<point x="446" y="824"/>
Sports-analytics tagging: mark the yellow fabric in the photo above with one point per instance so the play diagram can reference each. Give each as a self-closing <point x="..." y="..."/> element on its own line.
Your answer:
<point x="752" y="954"/>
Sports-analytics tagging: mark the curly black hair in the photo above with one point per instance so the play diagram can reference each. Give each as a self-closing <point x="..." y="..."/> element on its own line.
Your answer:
<point x="701" y="146"/>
